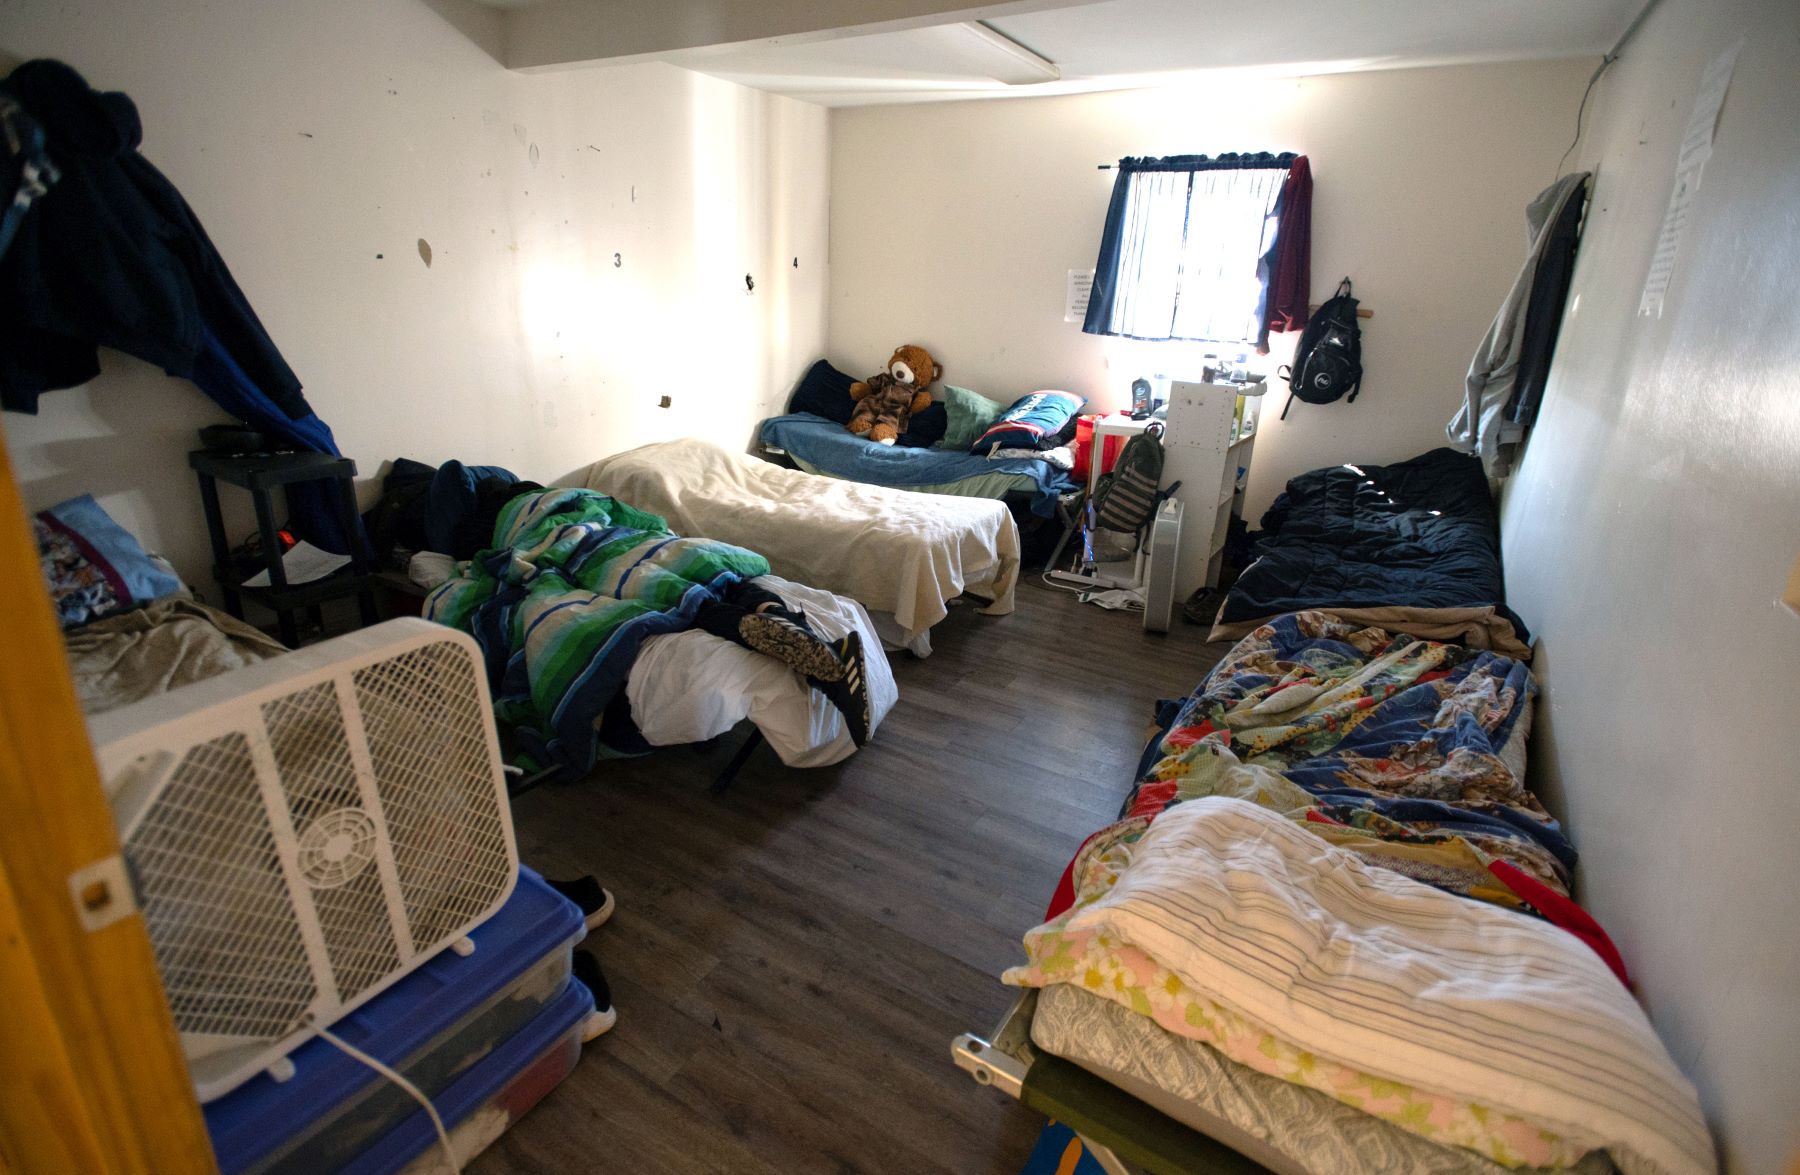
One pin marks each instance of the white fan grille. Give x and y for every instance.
(303, 832)
(225, 935)
(423, 714)
(318, 776)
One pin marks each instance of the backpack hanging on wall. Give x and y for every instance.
(1328, 360)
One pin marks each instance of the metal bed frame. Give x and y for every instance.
(518, 783)
(1124, 1135)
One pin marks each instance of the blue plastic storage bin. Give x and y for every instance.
(434, 1026)
(480, 1105)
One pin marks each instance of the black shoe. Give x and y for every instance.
(794, 646)
(604, 1016)
(596, 901)
(850, 692)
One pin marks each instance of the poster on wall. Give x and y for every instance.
(1696, 149)
(1075, 295)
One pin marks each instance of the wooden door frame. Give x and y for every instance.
(93, 1077)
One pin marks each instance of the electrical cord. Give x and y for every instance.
(417, 1094)
(1580, 111)
(1606, 61)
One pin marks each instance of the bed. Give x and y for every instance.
(568, 607)
(169, 642)
(1331, 931)
(819, 445)
(131, 628)
(902, 555)
(684, 687)
(1413, 545)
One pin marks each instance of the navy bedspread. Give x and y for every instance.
(1418, 534)
(831, 448)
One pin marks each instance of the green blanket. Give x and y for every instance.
(560, 606)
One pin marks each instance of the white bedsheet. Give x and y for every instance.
(1365, 967)
(895, 551)
(686, 687)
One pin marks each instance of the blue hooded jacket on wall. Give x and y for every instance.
(112, 255)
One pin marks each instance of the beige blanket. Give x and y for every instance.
(169, 642)
(892, 551)
(1479, 627)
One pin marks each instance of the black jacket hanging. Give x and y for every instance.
(113, 256)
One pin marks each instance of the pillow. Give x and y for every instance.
(925, 429)
(1034, 422)
(92, 565)
(970, 414)
(824, 391)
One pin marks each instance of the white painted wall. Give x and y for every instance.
(1648, 530)
(953, 225)
(312, 135)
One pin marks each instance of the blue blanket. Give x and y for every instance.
(1378, 742)
(1415, 534)
(830, 448)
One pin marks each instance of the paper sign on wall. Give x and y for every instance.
(1696, 149)
(1075, 295)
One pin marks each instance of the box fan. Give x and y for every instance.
(302, 832)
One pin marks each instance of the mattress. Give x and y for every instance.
(1285, 1127)
(900, 553)
(824, 446)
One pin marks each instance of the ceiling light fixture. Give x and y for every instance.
(1013, 63)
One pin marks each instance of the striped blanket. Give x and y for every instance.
(574, 584)
(1492, 1029)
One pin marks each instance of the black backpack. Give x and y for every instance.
(1126, 498)
(1328, 359)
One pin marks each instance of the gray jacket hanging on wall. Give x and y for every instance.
(1495, 371)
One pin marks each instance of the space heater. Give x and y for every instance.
(301, 833)
(1163, 547)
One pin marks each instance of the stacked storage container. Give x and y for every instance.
(485, 1036)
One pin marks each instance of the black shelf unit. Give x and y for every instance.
(261, 474)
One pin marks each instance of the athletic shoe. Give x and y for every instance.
(794, 646)
(850, 692)
(604, 1016)
(596, 901)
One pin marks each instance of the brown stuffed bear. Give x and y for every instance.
(888, 399)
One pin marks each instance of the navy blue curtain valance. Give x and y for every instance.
(1230, 161)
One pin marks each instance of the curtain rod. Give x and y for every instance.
(1276, 155)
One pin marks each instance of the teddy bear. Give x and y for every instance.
(888, 399)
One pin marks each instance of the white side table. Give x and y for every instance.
(1125, 573)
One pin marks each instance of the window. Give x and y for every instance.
(1183, 251)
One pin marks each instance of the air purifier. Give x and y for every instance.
(1165, 551)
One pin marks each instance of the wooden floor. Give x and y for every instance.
(790, 960)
